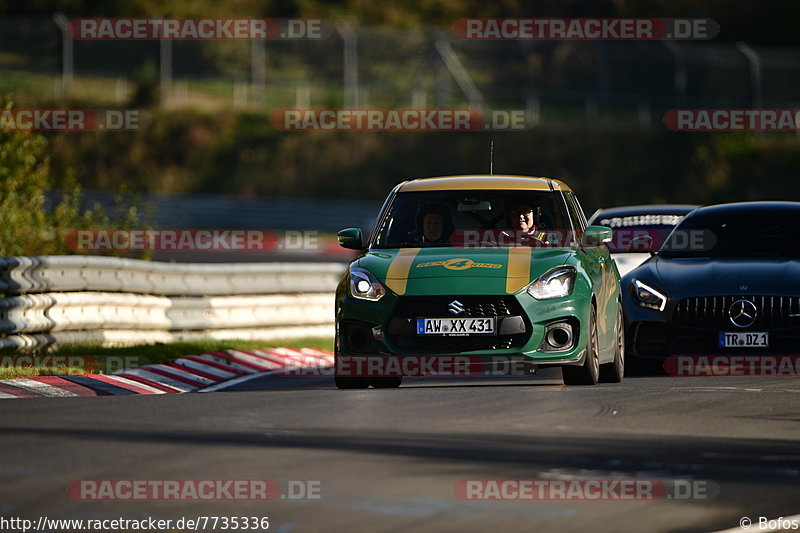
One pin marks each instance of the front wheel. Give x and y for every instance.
(351, 383)
(589, 372)
(347, 382)
(387, 382)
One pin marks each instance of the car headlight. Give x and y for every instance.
(554, 283)
(647, 296)
(365, 286)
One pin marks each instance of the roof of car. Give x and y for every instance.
(483, 182)
(657, 209)
(745, 208)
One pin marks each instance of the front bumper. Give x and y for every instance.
(387, 327)
(659, 340)
(656, 335)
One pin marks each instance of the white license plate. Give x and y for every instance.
(740, 339)
(455, 327)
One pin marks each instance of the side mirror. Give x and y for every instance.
(350, 238)
(597, 235)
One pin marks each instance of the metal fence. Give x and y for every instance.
(584, 81)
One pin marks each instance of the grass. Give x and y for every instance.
(105, 360)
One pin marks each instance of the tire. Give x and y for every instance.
(351, 383)
(386, 383)
(347, 382)
(589, 372)
(614, 372)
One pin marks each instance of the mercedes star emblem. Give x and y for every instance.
(742, 313)
(456, 307)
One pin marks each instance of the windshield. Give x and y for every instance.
(639, 232)
(750, 235)
(469, 218)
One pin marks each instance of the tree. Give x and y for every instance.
(30, 223)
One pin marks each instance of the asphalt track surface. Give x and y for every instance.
(388, 460)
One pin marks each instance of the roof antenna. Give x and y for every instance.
(491, 158)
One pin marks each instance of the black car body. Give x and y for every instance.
(631, 223)
(725, 269)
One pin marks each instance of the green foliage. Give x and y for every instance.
(28, 224)
(147, 91)
(775, 18)
(190, 152)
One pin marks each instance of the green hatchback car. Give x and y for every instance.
(486, 267)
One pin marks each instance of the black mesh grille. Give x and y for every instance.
(711, 312)
(459, 344)
(474, 306)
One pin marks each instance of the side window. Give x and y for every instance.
(383, 227)
(581, 212)
(575, 214)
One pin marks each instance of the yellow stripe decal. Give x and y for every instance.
(519, 268)
(397, 275)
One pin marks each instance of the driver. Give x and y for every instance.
(521, 219)
(435, 222)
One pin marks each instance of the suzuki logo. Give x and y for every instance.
(742, 313)
(456, 307)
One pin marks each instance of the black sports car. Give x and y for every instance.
(638, 229)
(726, 281)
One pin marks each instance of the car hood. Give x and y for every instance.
(726, 276)
(471, 270)
(629, 260)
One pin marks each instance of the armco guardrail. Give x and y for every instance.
(57, 299)
(25, 275)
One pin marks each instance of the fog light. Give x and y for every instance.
(557, 337)
(358, 339)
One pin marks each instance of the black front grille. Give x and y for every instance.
(711, 312)
(475, 306)
(436, 344)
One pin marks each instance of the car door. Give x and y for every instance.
(600, 267)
